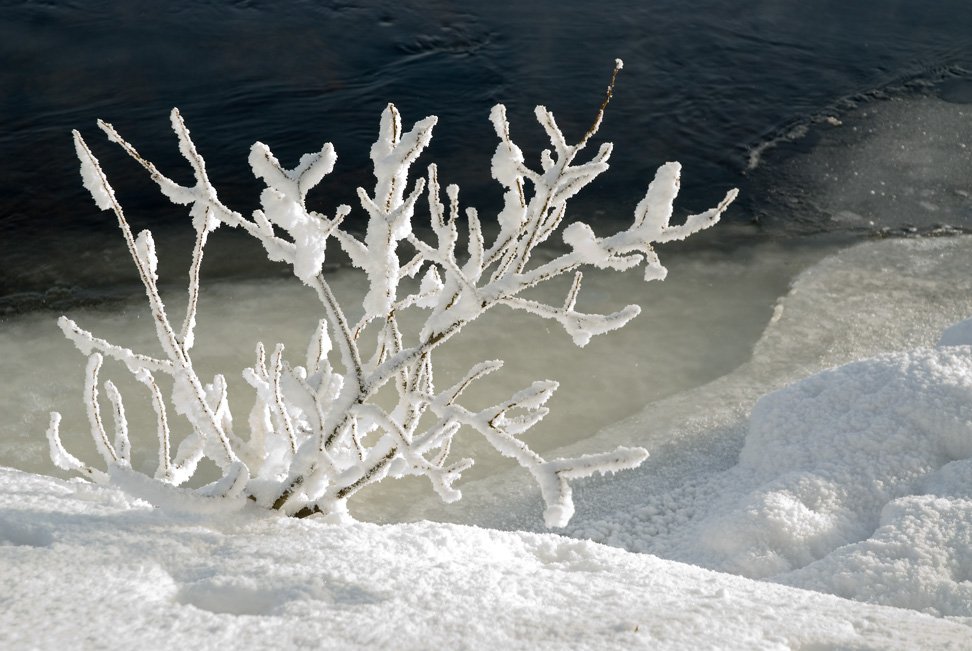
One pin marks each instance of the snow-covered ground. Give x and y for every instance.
(833, 513)
(86, 567)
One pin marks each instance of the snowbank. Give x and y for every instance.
(855, 481)
(86, 566)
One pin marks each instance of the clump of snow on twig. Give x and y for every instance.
(317, 431)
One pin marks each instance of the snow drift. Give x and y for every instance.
(87, 565)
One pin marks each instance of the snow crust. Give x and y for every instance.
(958, 334)
(87, 564)
(855, 482)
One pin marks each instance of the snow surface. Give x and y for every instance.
(855, 481)
(86, 566)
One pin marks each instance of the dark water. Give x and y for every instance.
(706, 82)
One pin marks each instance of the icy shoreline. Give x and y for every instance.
(853, 481)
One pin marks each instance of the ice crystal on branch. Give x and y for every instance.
(316, 433)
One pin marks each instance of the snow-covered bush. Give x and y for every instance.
(316, 433)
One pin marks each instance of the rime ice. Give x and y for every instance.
(318, 430)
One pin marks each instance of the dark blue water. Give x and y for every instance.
(706, 82)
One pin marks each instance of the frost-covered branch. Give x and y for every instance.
(317, 432)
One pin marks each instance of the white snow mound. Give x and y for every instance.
(855, 481)
(837, 460)
(86, 566)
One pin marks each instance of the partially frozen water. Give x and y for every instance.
(694, 327)
(896, 165)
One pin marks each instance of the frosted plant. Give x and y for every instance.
(316, 432)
